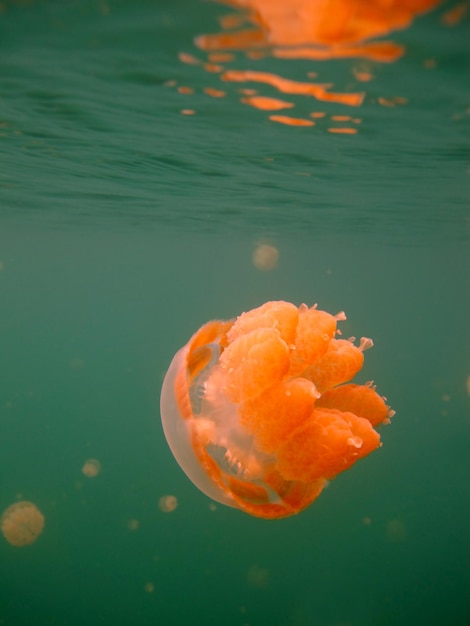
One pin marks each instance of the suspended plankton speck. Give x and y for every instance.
(167, 503)
(396, 531)
(133, 524)
(257, 577)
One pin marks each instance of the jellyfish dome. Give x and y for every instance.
(259, 413)
(22, 523)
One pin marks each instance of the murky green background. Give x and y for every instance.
(125, 225)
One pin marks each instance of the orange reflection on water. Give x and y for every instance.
(267, 104)
(329, 27)
(456, 14)
(391, 102)
(291, 121)
(215, 93)
(293, 87)
(314, 30)
(343, 131)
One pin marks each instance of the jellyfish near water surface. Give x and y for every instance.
(259, 413)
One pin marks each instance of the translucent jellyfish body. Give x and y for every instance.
(22, 523)
(259, 413)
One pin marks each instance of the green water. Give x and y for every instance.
(125, 225)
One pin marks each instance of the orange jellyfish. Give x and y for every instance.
(91, 468)
(22, 523)
(259, 413)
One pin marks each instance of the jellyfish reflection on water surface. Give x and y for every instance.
(257, 413)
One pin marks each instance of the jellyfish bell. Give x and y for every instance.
(265, 257)
(178, 432)
(22, 523)
(258, 413)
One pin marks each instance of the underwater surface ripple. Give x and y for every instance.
(91, 128)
